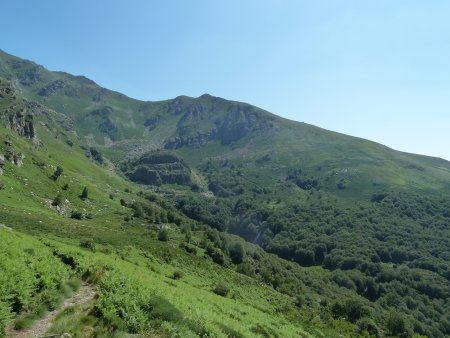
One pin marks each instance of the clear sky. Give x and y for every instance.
(375, 69)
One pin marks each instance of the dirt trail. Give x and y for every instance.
(84, 295)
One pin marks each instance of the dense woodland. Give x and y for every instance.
(211, 218)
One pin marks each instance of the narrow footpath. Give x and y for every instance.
(84, 295)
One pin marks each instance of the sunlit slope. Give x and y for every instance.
(222, 129)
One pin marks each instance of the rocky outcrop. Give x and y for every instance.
(152, 122)
(192, 141)
(238, 122)
(11, 155)
(102, 117)
(18, 159)
(17, 115)
(52, 88)
(158, 168)
(20, 121)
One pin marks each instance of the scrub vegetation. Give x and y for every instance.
(210, 218)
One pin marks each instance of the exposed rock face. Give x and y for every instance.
(18, 159)
(18, 115)
(52, 88)
(152, 122)
(102, 117)
(21, 122)
(11, 156)
(192, 141)
(238, 122)
(158, 168)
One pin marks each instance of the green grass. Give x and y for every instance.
(253, 197)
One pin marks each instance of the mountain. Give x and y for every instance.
(344, 215)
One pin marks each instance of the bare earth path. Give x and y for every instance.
(84, 295)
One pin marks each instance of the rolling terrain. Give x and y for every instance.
(337, 235)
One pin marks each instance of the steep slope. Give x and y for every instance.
(364, 219)
(156, 271)
(222, 129)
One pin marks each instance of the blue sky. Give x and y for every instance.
(375, 69)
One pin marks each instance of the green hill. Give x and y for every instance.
(360, 231)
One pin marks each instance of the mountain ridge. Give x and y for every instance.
(343, 214)
(200, 97)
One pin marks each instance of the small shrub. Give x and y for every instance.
(237, 252)
(29, 251)
(163, 235)
(65, 187)
(190, 249)
(300, 300)
(221, 289)
(59, 170)
(76, 214)
(111, 196)
(351, 310)
(138, 210)
(84, 194)
(57, 200)
(177, 275)
(89, 216)
(96, 155)
(87, 244)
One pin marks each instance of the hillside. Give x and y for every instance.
(361, 231)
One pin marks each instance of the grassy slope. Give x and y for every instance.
(366, 165)
(130, 251)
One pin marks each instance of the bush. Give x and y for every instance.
(351, 310)
(84, 194)
(87, 244)
(237, 252)
(163, 235)
(138, 210)
(59, 170)
(190, 249)
(57, 200)
(65, 187)
(221, 289)
(76, 214)
(177, 275)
